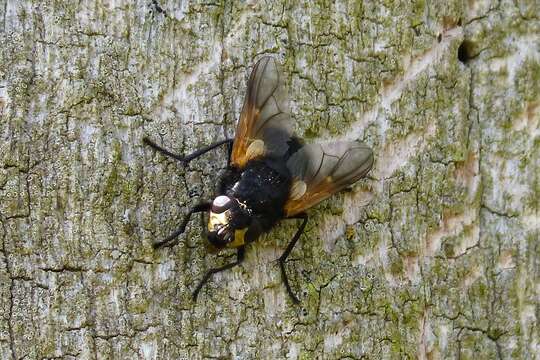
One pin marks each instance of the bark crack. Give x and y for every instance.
(9, 270)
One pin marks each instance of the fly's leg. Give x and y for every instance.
(288, 250)
(172, 239)
(187, 158)
(239, 259)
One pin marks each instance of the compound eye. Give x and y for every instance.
(221, 204)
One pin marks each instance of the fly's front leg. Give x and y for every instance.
(186, 159)
(239, 259)
(288, 250)
(172, 239)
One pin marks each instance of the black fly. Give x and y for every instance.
(271, 174)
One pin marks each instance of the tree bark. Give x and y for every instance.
(434, 256)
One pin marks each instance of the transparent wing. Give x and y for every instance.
(265, 126)
(320, 170)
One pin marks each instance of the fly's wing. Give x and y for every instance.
(264, 127)
(320, 170)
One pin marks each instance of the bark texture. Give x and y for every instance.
(434, 256)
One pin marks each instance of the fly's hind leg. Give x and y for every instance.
(239, 259)
(286, 253)
(172, 239)
(186, 159)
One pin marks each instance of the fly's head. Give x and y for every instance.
(228, 222)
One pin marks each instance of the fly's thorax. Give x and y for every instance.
(228, 222)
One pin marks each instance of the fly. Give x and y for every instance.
(271, 174)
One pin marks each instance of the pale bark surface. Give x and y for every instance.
(434, 256)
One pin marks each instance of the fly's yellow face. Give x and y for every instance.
(218, 224)
(217, 221)
(220, 232)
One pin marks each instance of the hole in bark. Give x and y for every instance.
(466, 51)
(157, 8)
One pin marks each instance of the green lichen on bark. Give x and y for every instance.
(433, 256)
